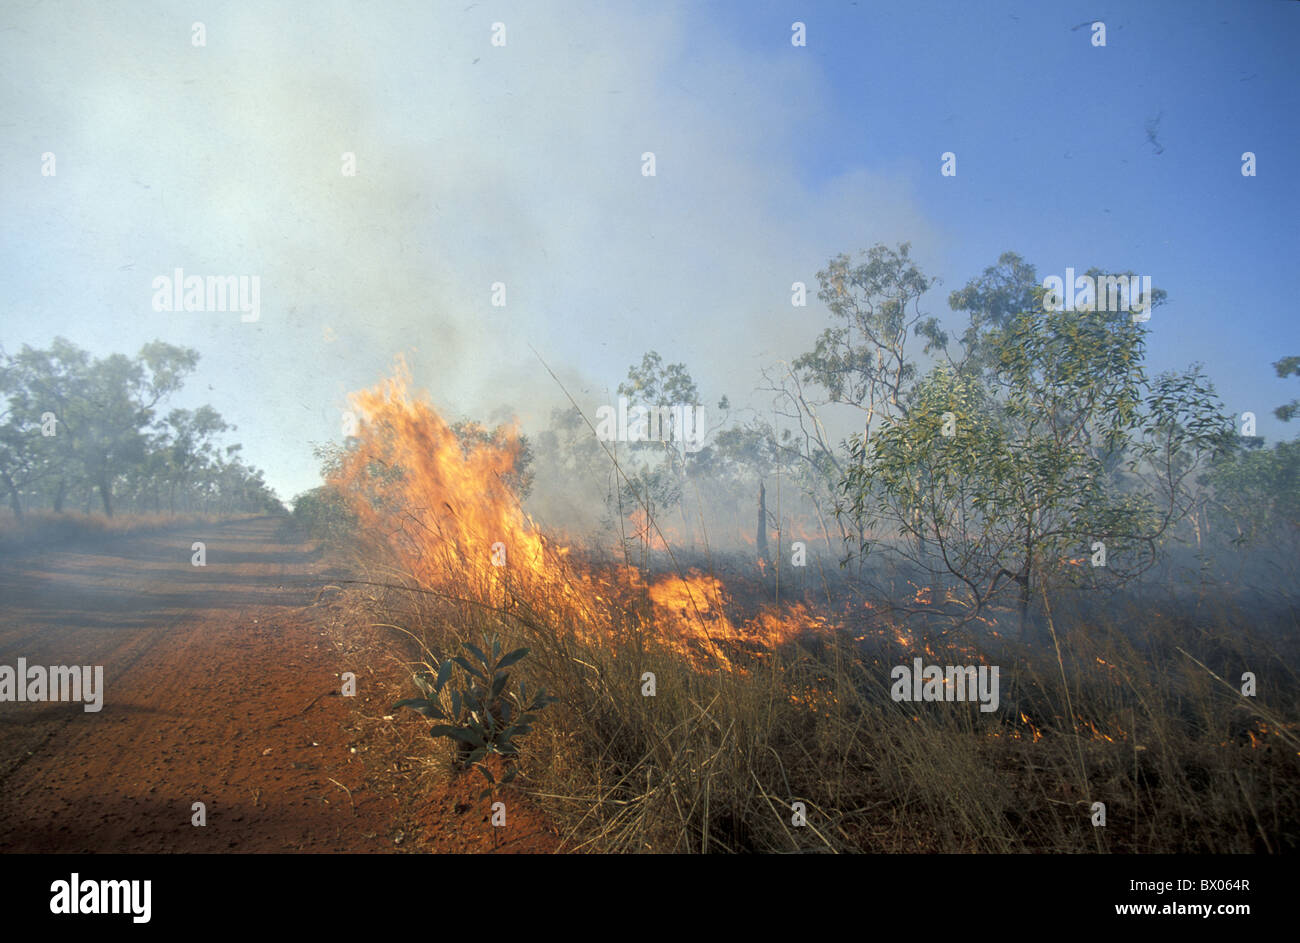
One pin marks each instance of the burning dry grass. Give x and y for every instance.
(763, 709)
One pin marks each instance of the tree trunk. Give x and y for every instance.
(761, 539)
(59, 495)
(1024, 603)
(1026, 575)
(15, 502)
(106, 494)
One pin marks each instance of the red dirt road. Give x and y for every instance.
(221, 686)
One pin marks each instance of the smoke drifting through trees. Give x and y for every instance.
(1027, 452)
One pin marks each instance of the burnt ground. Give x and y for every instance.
(222, 686)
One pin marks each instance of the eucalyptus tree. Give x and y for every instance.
(1047, 450)
(666, 439)
(863, 364)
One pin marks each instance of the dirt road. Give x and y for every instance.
(221, 687)
(208, 675)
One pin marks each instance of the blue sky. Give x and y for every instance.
(524, 167)
(1054, 160)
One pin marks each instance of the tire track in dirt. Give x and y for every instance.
(206, 674)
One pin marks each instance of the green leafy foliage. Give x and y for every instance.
(109, 445)
(1257, 494)
(479, 710)
(1287, 367)
(1056, 440)
(323, 513)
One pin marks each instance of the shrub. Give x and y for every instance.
(482, 715)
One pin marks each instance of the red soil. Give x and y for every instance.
(222, 687)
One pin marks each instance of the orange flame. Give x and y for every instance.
(442, 503)
(445, 505)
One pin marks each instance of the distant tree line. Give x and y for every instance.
(79, 432)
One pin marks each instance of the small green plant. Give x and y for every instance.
(482, 716)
